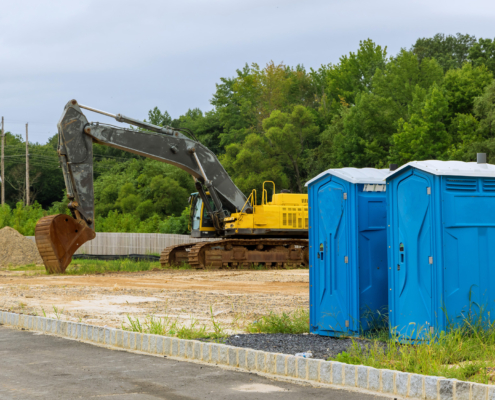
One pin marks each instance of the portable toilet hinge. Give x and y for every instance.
(428, 190)
(346, 260)
(347, 323)
(345, 196)
(430, 260)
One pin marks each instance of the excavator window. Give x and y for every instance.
(195, 215)
(207, 221)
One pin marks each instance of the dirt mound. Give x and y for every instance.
(16, 249)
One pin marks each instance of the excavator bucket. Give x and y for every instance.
(57, 238)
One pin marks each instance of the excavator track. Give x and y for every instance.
(247, 253)
(175, 255)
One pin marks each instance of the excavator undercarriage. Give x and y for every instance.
(239, 253)
(272, 233)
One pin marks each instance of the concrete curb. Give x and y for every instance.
(337, 375)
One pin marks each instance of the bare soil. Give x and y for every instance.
(16, 249)
(235, 297)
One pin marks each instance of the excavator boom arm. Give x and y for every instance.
(76, 136)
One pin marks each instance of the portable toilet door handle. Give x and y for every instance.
(402, 256)
(320, 254)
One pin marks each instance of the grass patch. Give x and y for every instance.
(87, 267)
(82, 267)
(291, 322)
(28, 267)
(167, 326)
(465, 352)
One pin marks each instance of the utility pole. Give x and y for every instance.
(27, 166)
(3, 166)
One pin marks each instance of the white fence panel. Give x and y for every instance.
(113, 243)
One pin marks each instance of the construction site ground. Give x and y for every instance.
(236, 297)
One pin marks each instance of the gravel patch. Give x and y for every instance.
(322, 347)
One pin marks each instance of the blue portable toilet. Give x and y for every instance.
(441, 253)
(348, 250)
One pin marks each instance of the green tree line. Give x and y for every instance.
(435, 100)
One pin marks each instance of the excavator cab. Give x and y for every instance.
(200, 222)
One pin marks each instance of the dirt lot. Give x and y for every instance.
(235, 297)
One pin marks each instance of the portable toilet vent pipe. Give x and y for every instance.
(441, 257)
(348, 250)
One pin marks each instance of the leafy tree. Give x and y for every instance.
(399, 80)
(483, 53)
(252, 162)
(362, 138)
(231, 108)
(205, 126)
(156, 117)
(483, 136)
(463, 85)
(450, 51)
(484, 108)
(46, 181)
(176, 225)
(354, 73)
(167, 195)
(465, 133)
(147, 190)
(289, 134)
(21, 218)
(425, 135)
(243, 102)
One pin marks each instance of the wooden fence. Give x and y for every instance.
(131, 243)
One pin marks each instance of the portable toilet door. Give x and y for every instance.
(441, 219)
(346, 209)
(332, 280)
(411, 245)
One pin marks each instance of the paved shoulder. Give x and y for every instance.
(47, 367)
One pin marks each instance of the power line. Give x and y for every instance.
(53, 165)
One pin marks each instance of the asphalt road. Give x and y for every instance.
(36, 366)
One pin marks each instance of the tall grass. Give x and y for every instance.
(167, 326)
(466, 351)
(290, 322)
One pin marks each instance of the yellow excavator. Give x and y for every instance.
(273, 233)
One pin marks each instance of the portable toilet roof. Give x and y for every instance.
(348, 250)
(455, 168)
(354, 175)
(441, 226)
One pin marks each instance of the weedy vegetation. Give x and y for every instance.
(285, 322)
(466, 351)
(26, 268)
(168, 326)
(87, 267)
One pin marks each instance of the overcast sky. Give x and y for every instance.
(130, 56)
